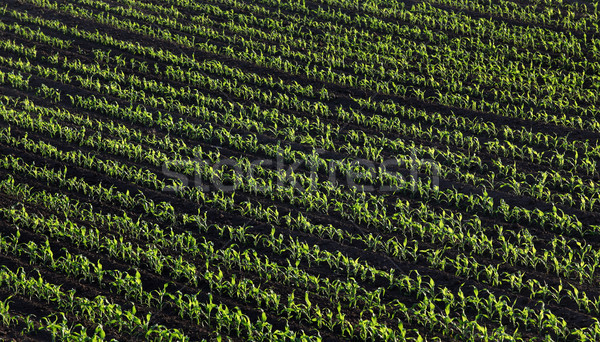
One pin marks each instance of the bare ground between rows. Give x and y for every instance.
(526, 202)
(337, 222)
(151, 281)
(376, 257)
(432, 92)
(342, 92)
(154, 282)
(218, 217)
(316, 217)
(584, 215)
(519, 23)
(118, 265)
(224, 221)
(345, 126)
(370, 131)
(107, 263)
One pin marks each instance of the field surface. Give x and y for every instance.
(279, 170)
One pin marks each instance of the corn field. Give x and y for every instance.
(299, 170)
